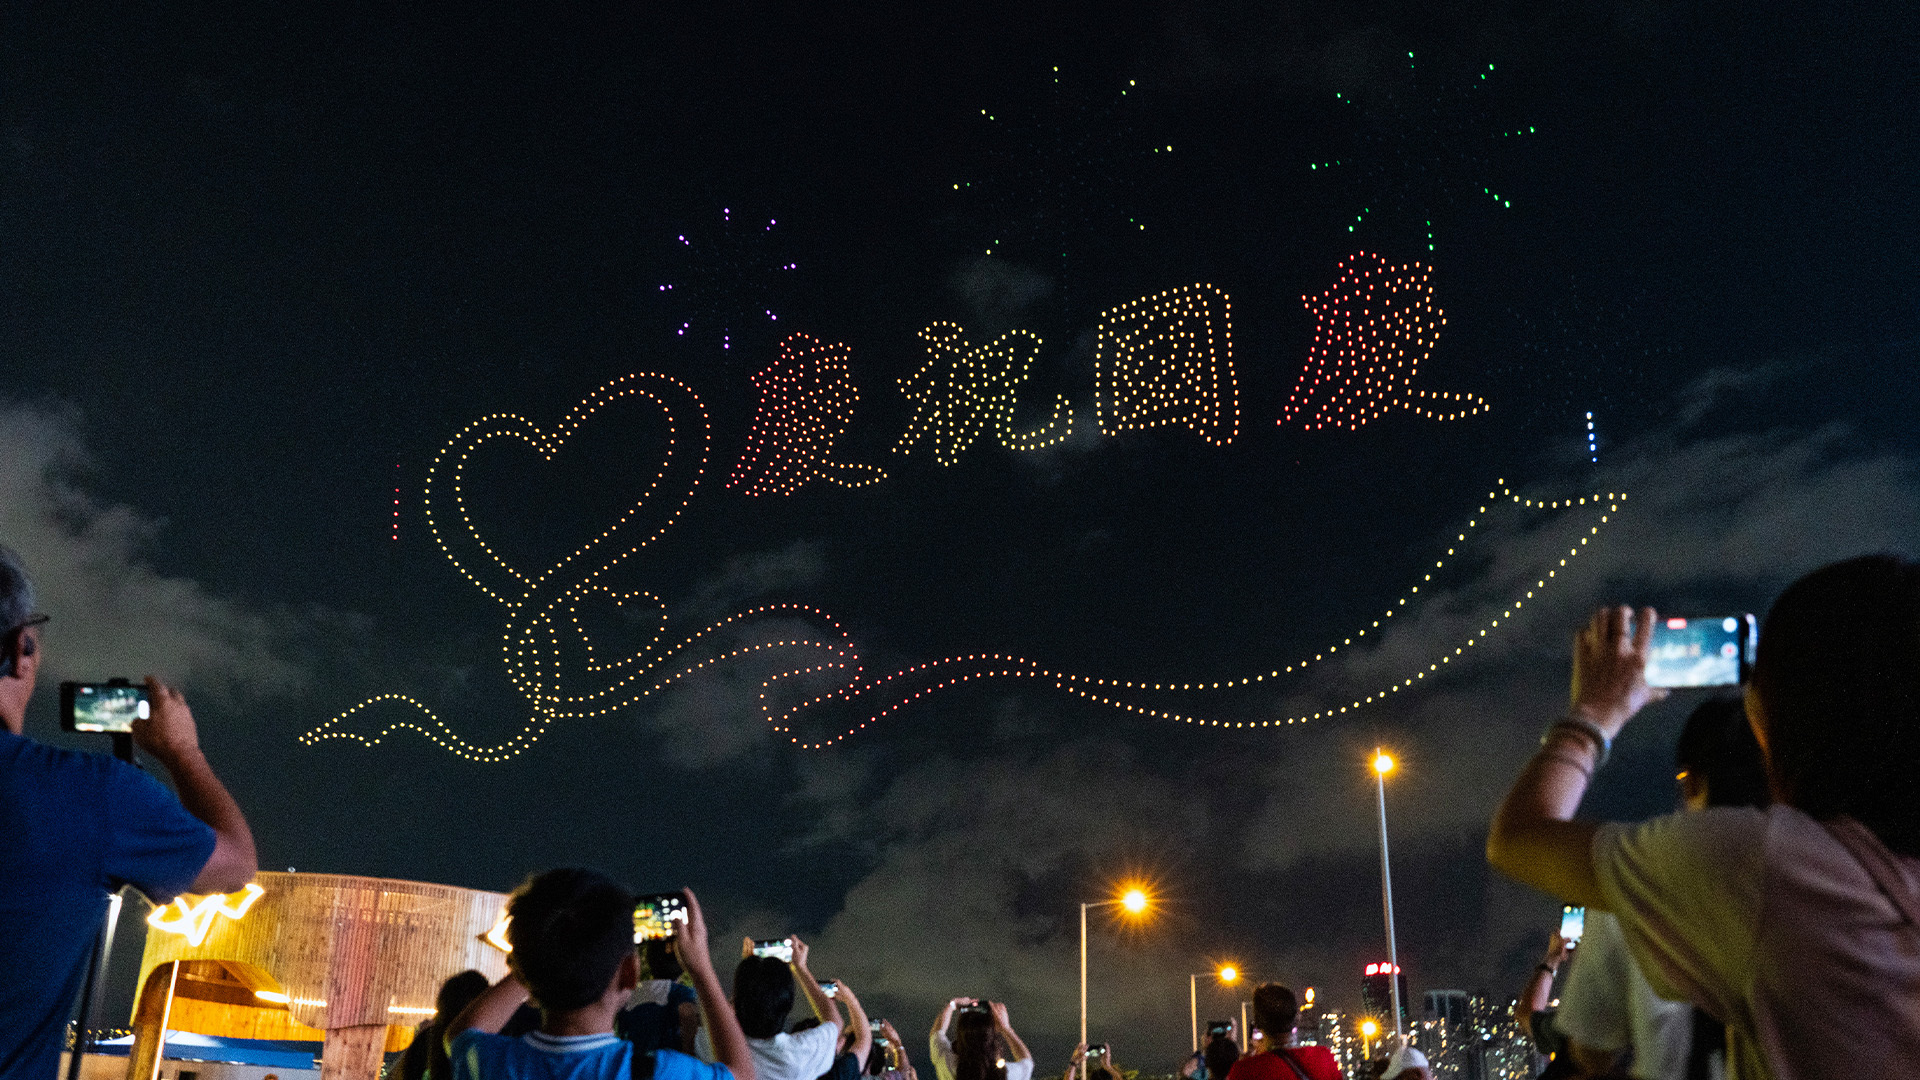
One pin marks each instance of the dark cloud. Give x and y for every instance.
(115, 615)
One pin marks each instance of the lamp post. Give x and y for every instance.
(1227, 974)
(1133, 901)
(1382, 765)
(1368, 1029)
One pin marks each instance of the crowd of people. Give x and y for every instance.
(1767, 930)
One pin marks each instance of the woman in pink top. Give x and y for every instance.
(1797, 926)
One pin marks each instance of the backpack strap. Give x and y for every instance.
(1287, 1056)
(1877, 861)
(642, 1064)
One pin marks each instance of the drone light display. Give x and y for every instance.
(806, 404)
(966, 390)
(1373, 328)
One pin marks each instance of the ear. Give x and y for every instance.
(628, 976)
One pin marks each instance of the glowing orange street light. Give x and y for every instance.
(1382, 765)
(1368, 1029)
(1227, 974)
(1134, 901)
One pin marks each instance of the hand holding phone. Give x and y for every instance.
(656, 917)
(109, 707)
(1691, 651)
(780, 949)
(1573, 923)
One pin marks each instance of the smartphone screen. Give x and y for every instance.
(102, 706)
(654, 916)
(780, 949)
(830, 987)
(1573, 923)
(1097, 1050)
(1691, 651)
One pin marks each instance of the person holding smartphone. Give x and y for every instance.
(983, 1045)
(80, 826)
(1798, 925)
(763, 998)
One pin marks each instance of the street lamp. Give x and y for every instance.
(1134, 901)
(1227, 974)
(1368, 1029)
(1382, 765)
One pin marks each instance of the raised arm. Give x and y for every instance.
(1539, 988)
(822, 1005)
(169, 735)
(490, 1011)
(1534, 839)
(1016, 1050)
(861, 1043)
(723, 1028)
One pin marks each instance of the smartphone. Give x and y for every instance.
(780, 949)
(830, 987)
(878, 1027)
(1713, 650)
(1573, 923)
(1219, 1029)
(974, 1006)
(1096, 1050)
(654, 916)
(109, 706)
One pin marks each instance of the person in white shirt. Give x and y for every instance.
(983, 1046)
(763, 993)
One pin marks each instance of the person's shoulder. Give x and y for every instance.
(1713, 841)
(1252, 1067)
(471, 1044)
(669, 1064)
(22, 755)
(1318, 1061)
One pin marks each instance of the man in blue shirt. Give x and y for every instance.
(572, 936)
(74, 827)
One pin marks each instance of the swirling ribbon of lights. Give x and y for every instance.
(542, 609)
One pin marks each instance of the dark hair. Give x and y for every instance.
(457, 993)
(1717, 746)
(661, 962)
(1275, 1011)
(426, 1056)
(762, 995)
(1838, 678)
(571, 930)
(1222, 1052)
(976, 1050)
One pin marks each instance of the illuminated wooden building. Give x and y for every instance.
(351, 962)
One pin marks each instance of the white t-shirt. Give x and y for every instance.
(1607, 1005)
(1775, 927)
(801, 1055)
(944, 1061)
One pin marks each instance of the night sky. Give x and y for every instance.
(260, 264)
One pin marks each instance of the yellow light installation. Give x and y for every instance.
(542, 606)
(1372, 330)
(195, 920)
(908, 685)
(1168, 359)
(964, 391)
(550, 657)
(806, 403)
